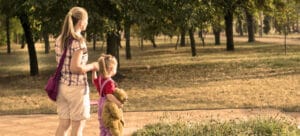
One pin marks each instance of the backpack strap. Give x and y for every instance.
(102, 86)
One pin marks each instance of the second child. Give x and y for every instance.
(105, 86)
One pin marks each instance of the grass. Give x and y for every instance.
(252, 127)
(255, 75)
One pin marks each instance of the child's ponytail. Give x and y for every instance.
(103, 66)
(105, 62)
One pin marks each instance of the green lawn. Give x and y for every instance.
(255, 75)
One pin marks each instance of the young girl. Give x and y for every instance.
(105, 86)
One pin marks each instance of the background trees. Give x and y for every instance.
(109, 19)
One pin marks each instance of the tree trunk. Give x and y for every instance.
(127, 37)
(192, 39)
(297, 23)
(240, 27)
(153, 42)
(288, 24)
(250, 26)
(113, 43)
(217, 31)
(229, 30)
(285, 36)
(176, 46)
(261, 24)
(217, 34)
(142, 43)
(17, 40)
(34, 70)
(8, 34)
(23, 39)
(182, 39)
(200, 33)
(46, 40)
(94, 41)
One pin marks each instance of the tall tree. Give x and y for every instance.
(252, 7)
(127, 10)
(23, 15)
(229, 30)
(5, 8)
(182, 36)
(43, 15)
(21, 9)
(193, 44)
(204, 16)
(217, 22)
(7, 24)
(250, 25)
(284, 13)
(228, 7)
(111, 13)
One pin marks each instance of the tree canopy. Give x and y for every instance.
(150, 18)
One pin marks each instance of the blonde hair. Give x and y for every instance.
(68, 29)
(105, 63)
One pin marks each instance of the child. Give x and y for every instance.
(105, 86)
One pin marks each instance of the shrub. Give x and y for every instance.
(253, 127)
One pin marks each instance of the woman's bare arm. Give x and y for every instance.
(76, 67)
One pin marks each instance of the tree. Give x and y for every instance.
(267, 24)
(228, 7)
(21, 9)
(192, 20)
(5, 8)
(7, 24)
(239, 24)
(204, 16)
(24, 13)
(47, 17)
(217, 21)
(150, 19)
(284, 11)
(186, 15)
(44, 16)
(34, 70)
(193, 44)
(95, 29)
(2, 30)
(16, 30)
(250, 25)
(249, 7)
(110, 11)
(127, 7)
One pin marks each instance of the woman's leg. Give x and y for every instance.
(77, 127)
(63, 127)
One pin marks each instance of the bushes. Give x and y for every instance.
(253, 127)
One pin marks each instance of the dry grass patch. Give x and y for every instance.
(255, 75)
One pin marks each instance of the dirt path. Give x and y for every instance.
(45, 125)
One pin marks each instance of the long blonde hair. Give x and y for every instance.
(68, 29)
(105, 63)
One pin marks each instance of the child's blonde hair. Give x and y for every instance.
(74, 15)
(106, 62)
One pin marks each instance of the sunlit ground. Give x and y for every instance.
(255, 75)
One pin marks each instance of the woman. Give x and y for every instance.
(73, 103)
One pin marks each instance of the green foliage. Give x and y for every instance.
(284, 15)
(15, 29)
(257, 127)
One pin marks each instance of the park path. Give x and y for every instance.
(45, 124)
